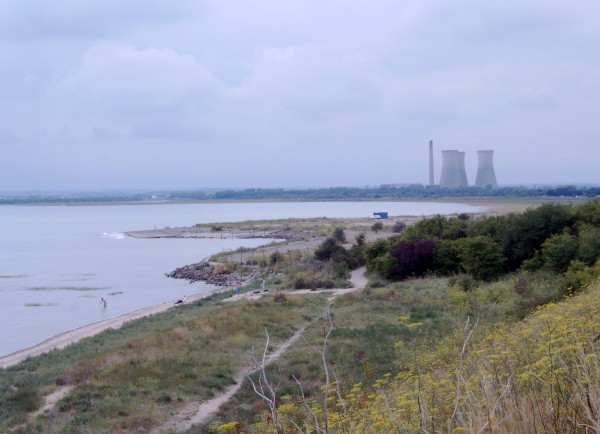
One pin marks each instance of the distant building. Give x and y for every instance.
(400, 185)
(485, 170)
(453, 174)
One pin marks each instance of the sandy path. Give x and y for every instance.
(357, 279)
(195, 413)
(72, 336)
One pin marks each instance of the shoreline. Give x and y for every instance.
(69, 337)
(492, 201)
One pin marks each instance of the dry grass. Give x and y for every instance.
(541, 374)
(136, 381)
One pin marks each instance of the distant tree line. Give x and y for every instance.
(334, 193)
(387, 192)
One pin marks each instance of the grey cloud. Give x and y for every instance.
(194, 132)
(280, 90)
(125, 79)
(88, 19)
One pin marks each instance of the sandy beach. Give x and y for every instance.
(69, 337)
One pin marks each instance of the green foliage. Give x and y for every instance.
(447, 257)
(380, 247)
(589, 243)
(360, 239)
(494, 227)
(339, 235)
(377, 226)
(527, 231)
(438, 227)
(534, 263)
(24, 397)
(579, 276)
(482, 258)
(538, 238)
(382, 265)
(276, 257)
(558, 251)
(357, 253)
(588, 212)
(377, 256)
(463, 282)
(328, 249)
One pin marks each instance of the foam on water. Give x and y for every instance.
(115, 235)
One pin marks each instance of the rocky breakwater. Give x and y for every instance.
(204, 272)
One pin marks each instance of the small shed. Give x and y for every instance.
(380, 215)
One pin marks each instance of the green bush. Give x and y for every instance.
(558, 251)
(377, 226)
(579, 276)
(482, 258)
(276, 257)
(589, 244)
(339, 235)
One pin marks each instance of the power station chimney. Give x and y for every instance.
(453, 174)
(485, 170)
(431, 182)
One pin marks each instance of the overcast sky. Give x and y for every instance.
(184, 94)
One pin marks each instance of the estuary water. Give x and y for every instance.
(56, 262)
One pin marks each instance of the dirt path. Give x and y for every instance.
(195, 413)
(72, 336)
(51, 400)
(357, 279)
(49, 403)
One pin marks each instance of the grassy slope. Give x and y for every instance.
(132, 378)
(398, 354)
(135, 376)
(368, 340)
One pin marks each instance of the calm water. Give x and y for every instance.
(56, 262)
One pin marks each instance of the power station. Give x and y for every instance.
(454, 174)
(485, 170)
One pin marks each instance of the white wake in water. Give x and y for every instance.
(115, 235)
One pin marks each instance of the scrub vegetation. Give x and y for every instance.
(540, 374)
(467, 325)
(130, 379)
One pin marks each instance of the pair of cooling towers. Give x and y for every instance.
(453, 169)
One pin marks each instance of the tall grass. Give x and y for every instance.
(132, 378)
(541, 374)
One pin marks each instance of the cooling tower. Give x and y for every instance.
(431, 162)
(454, 174)
(485, 170)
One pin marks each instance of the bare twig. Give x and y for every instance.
(267, 395)
(312, 413)
(459, 377)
